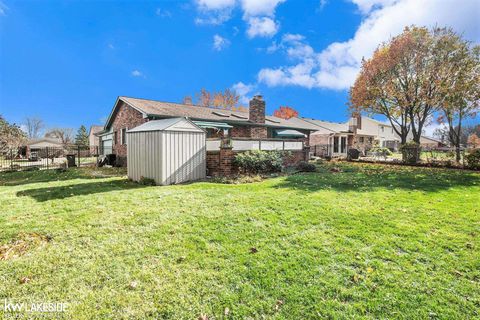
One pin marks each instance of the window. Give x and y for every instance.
(382, 128)
(123, 136)
(335, 144)
(343, 144)
(115, 137)
(362, 139)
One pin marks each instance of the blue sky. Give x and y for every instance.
(67, 61)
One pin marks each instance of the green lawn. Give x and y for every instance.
(372, 242)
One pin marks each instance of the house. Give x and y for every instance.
(252, 127)
(359, 132)
(429, 143)
(41, 147)
(92, 135)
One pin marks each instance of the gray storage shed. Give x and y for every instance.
(169, 151)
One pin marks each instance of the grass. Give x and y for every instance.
(371, 242)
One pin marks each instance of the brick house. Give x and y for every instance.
(250, 126)
(360, 132)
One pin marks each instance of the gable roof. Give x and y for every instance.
(171, 124)
(95, 129)
(332, 127)
(52, 141)
(153, 108)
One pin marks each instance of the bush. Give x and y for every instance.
(473, 159)
(382, 151)
(146, 181)
(306, 167)
(410, 152)
(259, 162)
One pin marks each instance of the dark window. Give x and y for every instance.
(214, 133)
(343, 144)
(335, 144)
(362, 139)
(115, 137)
(270, 133)
(124, 136)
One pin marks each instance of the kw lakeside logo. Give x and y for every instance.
(10, 306)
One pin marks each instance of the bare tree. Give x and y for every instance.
(187, 100)
(65, 135)
(34, 126)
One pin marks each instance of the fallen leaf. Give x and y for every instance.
(278, 304)
(133, 285)
(253, 250)
(24, 280)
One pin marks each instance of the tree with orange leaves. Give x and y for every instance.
(473, 141)
(285, 112)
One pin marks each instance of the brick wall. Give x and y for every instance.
(318, 139)
(220, 163)
(240, 132)
(126, 117)
(213, 163)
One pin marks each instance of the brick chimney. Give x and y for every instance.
(355, 122)
(256, 114)
(257, 110)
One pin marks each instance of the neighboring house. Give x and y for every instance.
(93, 140)
(128, 113)
(429, 142)
(359, 132)
(39, 147)
(36, 144)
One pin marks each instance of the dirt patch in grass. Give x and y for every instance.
(22, 244)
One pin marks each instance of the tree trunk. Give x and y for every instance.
(457, 141)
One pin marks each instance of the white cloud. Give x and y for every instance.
(258, 14)
(323, 3)
(430, 128)
(260, 7)
(214, 12)
(163, 13)
(3, 9)
(261, 27)
(137, 73)
(215, 4)
(243, 90)
(220, 43)
(337, 66)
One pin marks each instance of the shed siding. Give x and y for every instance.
(168, 157)
(144, 150)
(184, 157)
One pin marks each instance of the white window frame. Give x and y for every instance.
(123, 141)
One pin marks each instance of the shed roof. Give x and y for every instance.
(289, 132)
(170, 124)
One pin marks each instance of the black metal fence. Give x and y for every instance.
(24, 158)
